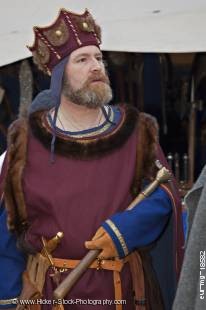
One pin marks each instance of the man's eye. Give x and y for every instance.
(83, 59)
(100, 59)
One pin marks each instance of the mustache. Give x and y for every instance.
(98, 77)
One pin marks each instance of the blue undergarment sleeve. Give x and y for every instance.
(140, 226)
(12, 264)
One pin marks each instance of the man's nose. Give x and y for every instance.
(96, 65)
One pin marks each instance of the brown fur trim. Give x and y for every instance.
(97, 28)
(147, 135)
(98, 32)
(93, 148)
(17, 151)
(13, 193)
(92, 25)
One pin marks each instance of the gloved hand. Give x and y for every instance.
(102, 240)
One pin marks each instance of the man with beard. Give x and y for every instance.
(72, 168)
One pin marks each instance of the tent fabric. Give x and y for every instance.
(133, 25)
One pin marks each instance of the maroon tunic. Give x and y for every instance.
(76, 196)
(89, 182)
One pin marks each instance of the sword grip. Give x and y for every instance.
(163, 175)
(75, 274)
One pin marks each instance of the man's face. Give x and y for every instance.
(85, 80)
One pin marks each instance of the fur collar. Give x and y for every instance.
(147, 136)
(90, 147)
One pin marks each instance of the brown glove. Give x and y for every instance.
(102, 240)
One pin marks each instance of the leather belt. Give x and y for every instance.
(107, 264)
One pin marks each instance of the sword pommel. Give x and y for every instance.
(163, 175)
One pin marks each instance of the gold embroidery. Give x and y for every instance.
(97, 132)
(119, 236)
(90, 134)
(84, 139)
(62, 10)
(41, 55)
(85, 24)
(58, 35)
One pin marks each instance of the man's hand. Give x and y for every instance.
(102, 240)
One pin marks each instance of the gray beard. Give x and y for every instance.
(91, 97)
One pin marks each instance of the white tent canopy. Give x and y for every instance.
(132, 25)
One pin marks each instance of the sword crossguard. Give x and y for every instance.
(50, 245)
